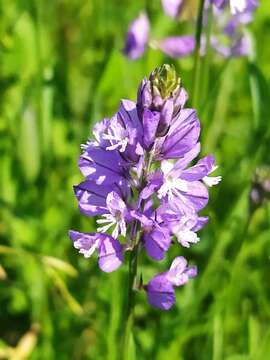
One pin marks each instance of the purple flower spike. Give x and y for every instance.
(109, 250)
(137, 37)
(172, 7)
(177, 46)
(139, 182)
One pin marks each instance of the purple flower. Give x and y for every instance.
(184, 186)
(184, 227)
(179, 272)
(181, 137)
(137, 37)
(160, 292)
(123, 132)
(150, 123)
(160, 289)
(117, 216)
(110, 254)
(156, 238)
(102, 167)
(92, 197)
(172, 7)
(177, 46)
(157, 241)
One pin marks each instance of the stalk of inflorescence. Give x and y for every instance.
(129, 318)
(197, 55)
(133, 285)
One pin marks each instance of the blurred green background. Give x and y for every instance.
(61, 70)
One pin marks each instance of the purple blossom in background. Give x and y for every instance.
(237, 6)
(177, 46)
(172, 7)
(239, 47)
(140, 184)
(229, 18)
(137, 37)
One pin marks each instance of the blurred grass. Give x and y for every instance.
(61, 69)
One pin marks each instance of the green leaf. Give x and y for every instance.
(29, 145)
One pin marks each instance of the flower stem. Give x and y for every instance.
(197, 62)
(207, 57)
(130, 302)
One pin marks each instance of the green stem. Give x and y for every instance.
(207, 57)
(197, 62)
(130, 301)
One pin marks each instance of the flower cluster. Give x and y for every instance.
(229, 39)
(139, 183)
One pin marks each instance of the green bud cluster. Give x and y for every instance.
(164, 80)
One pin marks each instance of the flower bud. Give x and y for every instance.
(165, 82)
(144, 95)
(162, 93)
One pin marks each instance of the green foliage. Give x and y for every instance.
(61, 69)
